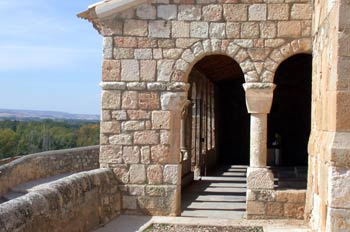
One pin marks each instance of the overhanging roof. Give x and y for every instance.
(107, 8)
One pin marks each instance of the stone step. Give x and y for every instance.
(216, 206)
(214, 198)
(223, 214)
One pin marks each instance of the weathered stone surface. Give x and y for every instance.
(170, 174)
(180, 29)
(130, 100)
(119, 115)
(145, 155)
(172, 53)
(130, 70)
(217, 30)
(199, 29)
(164, 70)
(111, 154)
(165, 137)
(274, 209)
(256, 207)
(137, 174)
(110, 127)
(148, 70)
(111, 70)
(155, 174)
(138, 114)
(123, 53)
(125, 42)
(268, 30)
(172, 101)
(167, 12)
(129, 202)
(143, 53)
(212, 13)
(161, 120)
(189, 12)
(133, 125)
(289, 29)
(159, 29)
(121, 172)
(259, 178)
(257, 12)
(122, 139)
(160, 154)
(149, 101)
(278, 12)
(135, 27)
(107, 48)
(131, 154)
(111, 100)
(301, 11)
(146, 11)
(146, 137)
(233, 30)
(236, 12)
(339, 187)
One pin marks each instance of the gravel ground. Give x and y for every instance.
(188, 228)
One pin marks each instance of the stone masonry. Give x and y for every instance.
(149, 50)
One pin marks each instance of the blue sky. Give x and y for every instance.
(49, 58)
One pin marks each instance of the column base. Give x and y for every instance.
(259, 178)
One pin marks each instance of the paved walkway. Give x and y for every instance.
(127, 223)
(221, 195)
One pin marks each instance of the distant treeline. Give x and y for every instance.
(26, 137)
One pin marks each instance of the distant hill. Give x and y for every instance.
(25, 115)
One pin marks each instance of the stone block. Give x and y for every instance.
(339, 187)
(143, 53)
(138, 114)
(233, 30)
(274, 209)
(236, 12)
(133, 125)
(172, 101)
(148, 70)
(157, 53)
(143, 42)
(338, 220)
(259, 178)
(107, 48)
(278, 12)
(111, 154)
(212, 12)
(180, 29)
(166, 43)
(111, 70)
(289, 29)
(131, 154)
(130, 70)
(161, 119)
(130, 100)
(164, 70)
(199, 29)
(294, 210)
(250, 30)
(149, 101)
(129, 202)
(125, 42)
(268, 30)
(301, 11)
(146, 137)
(145, 155)
(155, 174)
(167, 12)
(122, 173)
(146, 11)
(121, 139)
(106, 115)
(189, 12)
(160, 154)
(137, 174)
(217, 30)
(119, 115)
(110, 127)
(111, 100)
(155, 190)
(291, 196)
(136, 190)
(257, 12)
(135, 27)
(256, 208)
(159, 29)
(123, 53)
(172, 53)
(165, 137)
(170, 174)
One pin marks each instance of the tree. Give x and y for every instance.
(7, 143)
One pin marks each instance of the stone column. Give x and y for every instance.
(183, 145)
(175, 102)
(259, 100)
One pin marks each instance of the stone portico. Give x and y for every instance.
(149, 51)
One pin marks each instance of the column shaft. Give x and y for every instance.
(258, 140)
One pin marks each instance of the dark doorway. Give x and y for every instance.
(290, 117)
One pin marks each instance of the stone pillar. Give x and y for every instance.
(175, 102)
(183, 145)
(259, 178)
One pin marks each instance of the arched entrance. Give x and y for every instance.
(215, 139)
(290, 118)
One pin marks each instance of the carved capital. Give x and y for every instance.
(173, 101)
(259, 97)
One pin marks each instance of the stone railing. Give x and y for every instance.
(80, 202)
(45, 164)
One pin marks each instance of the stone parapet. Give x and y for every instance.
(80, 202)
(45, 164)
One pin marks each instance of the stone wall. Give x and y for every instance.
(328, 195)
(45, 164)
(149, 51)
(80, 202)
(269, 204)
